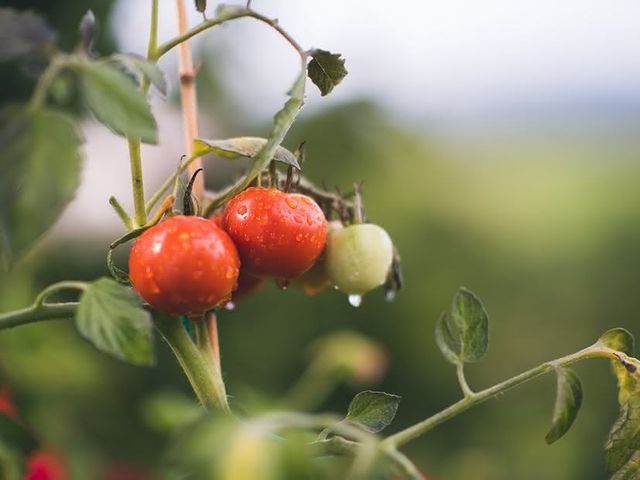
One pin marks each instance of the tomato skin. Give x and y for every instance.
(184, 265)
(46, 465)
(358, 257)
(277, 234)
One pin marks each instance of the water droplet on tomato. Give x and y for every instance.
(292, 203)
(243, 211)
(298, 237)
(355, 300)
(298, 218)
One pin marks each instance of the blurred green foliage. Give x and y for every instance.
(544, 228)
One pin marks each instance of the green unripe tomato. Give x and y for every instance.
(358, 257)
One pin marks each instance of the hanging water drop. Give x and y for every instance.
(355, 300)
(282, 283)
(229, 306)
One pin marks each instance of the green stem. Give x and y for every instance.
(205, 339)
(153, 31)
(464, 386)
(196, 366)
(238, 13)
(45, 81)
(56, 287)
(121, 212)
(137, 184)
(474, 399)
(37, 313)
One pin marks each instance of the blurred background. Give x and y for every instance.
(498, 144)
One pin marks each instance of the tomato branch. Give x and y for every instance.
(473, 399)
(230, 14)
(37, 313)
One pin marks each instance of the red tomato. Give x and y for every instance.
(7, 406)
(184, 266)
(278, 234)
(46, 465)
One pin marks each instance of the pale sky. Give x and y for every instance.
(434, 57)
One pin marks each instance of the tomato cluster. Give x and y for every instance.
(186, 265)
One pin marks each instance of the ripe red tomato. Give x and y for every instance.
(278, 234)
(46, 465)
(184, 265)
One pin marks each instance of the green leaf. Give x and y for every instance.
(373, 411)
(326, 70)
(622, 450)
(249, 147)
(116, 102)
(568, 402)
(111, 317)
(463, 334)
(16, 436)
(23, 33)
(40, 164)
(201, 5)
(618, 339)
(139, 64)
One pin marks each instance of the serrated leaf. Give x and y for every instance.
(463, 334)
(619, 339)
(111, 317)
(248, 147)
(40, 164)
(373, 411)
(116, 102)
(326, 70)
(139, 64)
(23, 33)
(16, 436)
(471, 325)
(568, 402)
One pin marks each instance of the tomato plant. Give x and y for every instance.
(271, 222)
